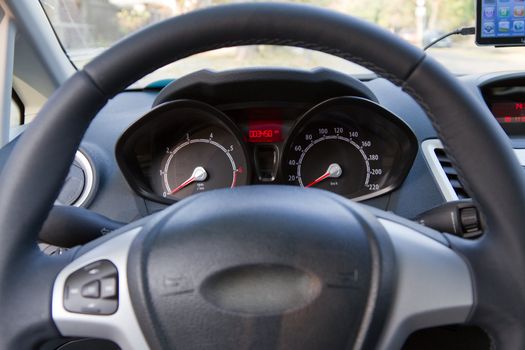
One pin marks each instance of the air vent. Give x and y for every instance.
(451, 173)
(444, 173)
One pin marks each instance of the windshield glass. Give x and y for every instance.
(86, 28)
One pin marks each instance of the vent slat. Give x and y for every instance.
(442, 156)
(456, 184)
(449, 170)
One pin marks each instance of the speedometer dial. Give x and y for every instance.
(335, 158)
(315, 168)
(349, 146)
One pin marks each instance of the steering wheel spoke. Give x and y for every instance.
(91, 295)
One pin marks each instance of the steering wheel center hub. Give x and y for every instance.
(231, 269)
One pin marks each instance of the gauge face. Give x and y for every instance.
(334, 158)
(207, 159)
(348, 146)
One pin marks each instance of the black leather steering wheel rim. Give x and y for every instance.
(478, 148)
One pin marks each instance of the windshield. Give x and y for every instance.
(86, 28)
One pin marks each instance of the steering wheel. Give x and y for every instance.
(263, 267)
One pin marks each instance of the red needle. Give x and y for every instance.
(184, 184)
(334, 171)
(319, 179)
(199, 174)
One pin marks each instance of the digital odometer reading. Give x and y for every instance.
(265, 131)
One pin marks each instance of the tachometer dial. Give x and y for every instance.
(207, 159)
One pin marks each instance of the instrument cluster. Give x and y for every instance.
(347, 145)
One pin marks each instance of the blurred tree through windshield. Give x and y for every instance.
(98, 23)
(87, 27)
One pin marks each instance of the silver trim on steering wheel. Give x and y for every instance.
(121, 327)
(434, 286)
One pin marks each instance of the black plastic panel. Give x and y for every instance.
(263, 84)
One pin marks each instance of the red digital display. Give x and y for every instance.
(265, 126)
(264, 134)
(509, 112)
(265, 131)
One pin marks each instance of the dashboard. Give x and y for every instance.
(362, 138)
